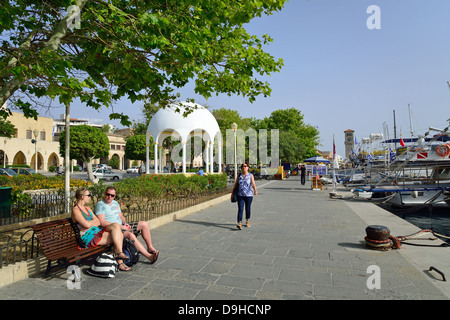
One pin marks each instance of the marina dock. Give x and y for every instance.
(302, 245)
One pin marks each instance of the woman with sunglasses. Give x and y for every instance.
(92, 234)
(245, 182)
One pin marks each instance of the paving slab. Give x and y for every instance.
(302, 245)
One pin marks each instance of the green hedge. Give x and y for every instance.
(138, 191)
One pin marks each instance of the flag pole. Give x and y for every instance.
(334, 159)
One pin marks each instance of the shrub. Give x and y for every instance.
(38, 181)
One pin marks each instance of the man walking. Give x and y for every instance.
(303, 174)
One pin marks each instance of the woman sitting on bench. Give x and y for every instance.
(91, 233)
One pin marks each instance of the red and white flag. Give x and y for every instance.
(422, 155)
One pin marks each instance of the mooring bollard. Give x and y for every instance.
(379, 238)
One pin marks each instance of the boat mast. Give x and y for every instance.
(410, 122)
(395, 133)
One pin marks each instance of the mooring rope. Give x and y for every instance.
(395, 242)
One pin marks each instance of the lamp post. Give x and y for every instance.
(234, 127)
(35, 132)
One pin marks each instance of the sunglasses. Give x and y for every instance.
(87, 195)
(110, 195)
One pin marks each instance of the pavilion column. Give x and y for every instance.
(160, 159)
(219, 145)
(211, 155)
(184, 156)
(207, 157)
(156, 157)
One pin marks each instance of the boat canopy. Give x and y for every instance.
(442, 137)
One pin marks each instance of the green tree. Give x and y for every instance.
(7, 129)
(298, 140)
(134, 49)
(148, 111)
(291, 149)
(114, 162)
(135, 149)
(86, 143)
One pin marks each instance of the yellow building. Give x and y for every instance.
(45, 131)
(21, 150)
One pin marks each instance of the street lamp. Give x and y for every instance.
(35, 132)
(234, 127)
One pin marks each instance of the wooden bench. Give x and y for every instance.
(58, 241)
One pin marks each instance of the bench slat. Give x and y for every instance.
(58, 241)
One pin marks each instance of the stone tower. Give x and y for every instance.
(349, 142)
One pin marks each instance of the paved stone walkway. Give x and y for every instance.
(301, 245)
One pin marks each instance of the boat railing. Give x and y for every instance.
(425, 174)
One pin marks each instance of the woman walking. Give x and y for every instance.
(245, 182)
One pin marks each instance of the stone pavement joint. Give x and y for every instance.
(301, 245)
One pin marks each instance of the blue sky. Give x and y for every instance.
(342, 75)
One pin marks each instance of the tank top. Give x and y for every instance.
(245, 185)
(88, 217)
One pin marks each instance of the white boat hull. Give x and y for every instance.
(418, 198)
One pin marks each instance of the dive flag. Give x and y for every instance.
(422, 155)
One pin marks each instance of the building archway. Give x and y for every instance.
(19, 158)
(115, 162)
(3, 158)
(40, 162)
(53, 160)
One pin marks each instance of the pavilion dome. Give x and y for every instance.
(169, 120)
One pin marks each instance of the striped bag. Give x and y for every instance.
(105, 266)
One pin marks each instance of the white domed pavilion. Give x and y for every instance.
(170, 122)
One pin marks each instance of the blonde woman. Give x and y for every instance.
(90, 231)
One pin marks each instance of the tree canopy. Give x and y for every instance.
(134, 49)
(298, 140)
(86, 143)
(7, 129)
(135, 148)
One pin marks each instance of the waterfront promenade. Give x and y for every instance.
(301, 245)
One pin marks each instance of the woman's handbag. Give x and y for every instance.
(234, 196)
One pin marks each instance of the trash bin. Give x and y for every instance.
(5, 202)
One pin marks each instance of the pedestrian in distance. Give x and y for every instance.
(303, 174)
(108, 211)
(92, 233)
(245, 183)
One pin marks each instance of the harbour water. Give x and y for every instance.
(436, 218)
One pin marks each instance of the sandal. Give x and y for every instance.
(118, 257)
(248, 224)
(239, 226)
(154, 257)
(125, 267)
